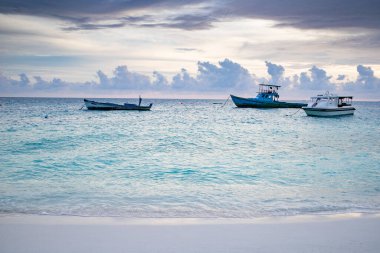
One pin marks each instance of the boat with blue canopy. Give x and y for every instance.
(267, 97)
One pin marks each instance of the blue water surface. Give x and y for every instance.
(185, 158)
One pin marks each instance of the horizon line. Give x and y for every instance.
(167, 98)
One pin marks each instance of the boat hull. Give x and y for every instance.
(92, 105)
(328, 112)
(255, 103)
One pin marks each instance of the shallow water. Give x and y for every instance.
(185, 158)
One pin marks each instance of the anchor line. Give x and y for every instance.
(226, 101)
(293, 113)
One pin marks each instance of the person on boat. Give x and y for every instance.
(140, 100)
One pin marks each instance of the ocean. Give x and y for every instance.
(185, 158)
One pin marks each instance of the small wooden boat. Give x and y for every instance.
(329, 105)
(93, 105)
(267, 97)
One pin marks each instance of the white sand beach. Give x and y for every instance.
(330, 233)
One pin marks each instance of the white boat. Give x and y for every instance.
(329, 105)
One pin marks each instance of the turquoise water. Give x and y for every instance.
(185, 158)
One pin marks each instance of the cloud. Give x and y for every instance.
(159, 81)
(304, 14)
(223, 78)
(183, 81)
(190, 22)
(365, 73)
(365, 86)
(23, 85)
(102, 14)
(341, 77)
(124, 79)
(84, 9)
(309, 14)
(185, 22)
(275, 71)
(366, 79)
(24, 80)
(187, 49)
(89, 26)
(316, 79)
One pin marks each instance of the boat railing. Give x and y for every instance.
(267, 88)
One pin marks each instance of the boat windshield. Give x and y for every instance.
(344, 101)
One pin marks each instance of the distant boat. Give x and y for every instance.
(329, 105)
(267, 97)
(93, 105)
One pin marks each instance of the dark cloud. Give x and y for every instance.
(341, 77)
(88, 26)
(191, 22)
(83, 9)
(309, 13)
(85, 14)
(186, 49)
(184, 22)
(305, 14)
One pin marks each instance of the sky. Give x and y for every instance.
(189, 49)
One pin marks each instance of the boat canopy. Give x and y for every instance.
(332, 96)
(268, 88)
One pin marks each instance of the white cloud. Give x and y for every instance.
(223, 78)
(226, 76)
(366, 84)
(316, 79)
(275, 71)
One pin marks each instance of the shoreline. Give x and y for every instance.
(354, 232)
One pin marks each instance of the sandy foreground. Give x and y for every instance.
(50, 234)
